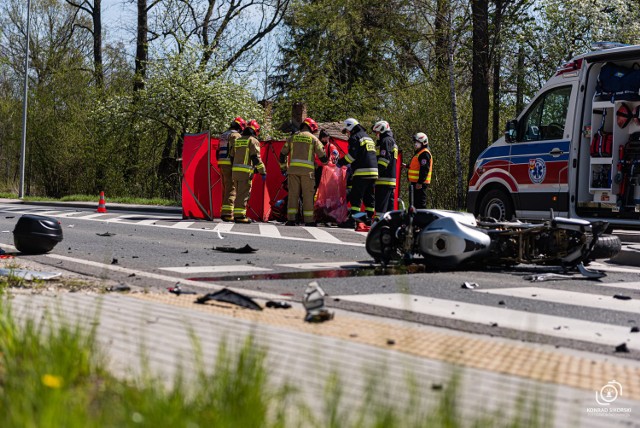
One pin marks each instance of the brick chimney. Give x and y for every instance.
(298, 114)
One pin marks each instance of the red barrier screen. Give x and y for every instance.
(196, 197)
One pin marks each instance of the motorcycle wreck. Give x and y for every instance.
(452, 240)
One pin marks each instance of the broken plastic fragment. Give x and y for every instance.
(177, 290)
(313, 302)
(470, 285)
(230, 296)
(278, 304)
(239, 250)
(622, 348)
(105, 234)
(621, 297)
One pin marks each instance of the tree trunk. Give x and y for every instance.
(97, 42)
(520, 81)
(454, 117)
(496, 59)
(479, 81)
(142, 46)
(442, 29)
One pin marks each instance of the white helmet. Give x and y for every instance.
(349, 124)
(421, 138)
(381, 126)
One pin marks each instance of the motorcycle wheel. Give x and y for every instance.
(496, 204)
(606, 247)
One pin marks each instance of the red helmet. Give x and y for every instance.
(623, 115)
(241, 122)
(312, 124)
(253, 124)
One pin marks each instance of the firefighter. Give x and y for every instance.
(300, 148)
(245, 156)
(224, 163)
(387, 152)
(420, 170)
(362, 159)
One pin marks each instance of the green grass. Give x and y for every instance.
(57, 377)
(95, 198)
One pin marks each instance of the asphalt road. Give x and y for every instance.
(157, 251)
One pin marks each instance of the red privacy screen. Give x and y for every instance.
(202, 183)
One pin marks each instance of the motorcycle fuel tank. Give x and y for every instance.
(36, 234)
(450, 242)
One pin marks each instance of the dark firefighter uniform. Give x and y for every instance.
(246, 156)
(420, 176)
(227, 140)
(387, 152)
(364, 165)
(301, 149)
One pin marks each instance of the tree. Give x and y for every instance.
(93, 9)
(479, 81)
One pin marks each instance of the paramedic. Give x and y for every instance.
(224, 163)
(362, 159)
(330, 150)
(420, 171)
(387, 152)
(245, 149)
(300, 148)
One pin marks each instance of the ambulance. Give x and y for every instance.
(574, 151)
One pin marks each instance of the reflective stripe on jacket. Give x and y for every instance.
(418, 167)
(301, 148)
(387, 152)
(362, 155)
(246, 156)
(227, 140)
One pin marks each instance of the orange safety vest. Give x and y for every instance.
(414, 167)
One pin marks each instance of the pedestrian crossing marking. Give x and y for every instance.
(269, 230)
(223, 227)
(567, 298)
(215, 269)
(183, 225)
(322, 235)
(550, 325)
(327, 265)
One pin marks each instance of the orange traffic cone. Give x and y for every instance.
(102, 208)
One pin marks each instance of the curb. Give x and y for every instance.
(91, 205)
(629, 256)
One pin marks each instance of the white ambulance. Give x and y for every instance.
(575, 149)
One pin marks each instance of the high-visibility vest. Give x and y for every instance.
(301, 154)
(226, 139)
(241, 158)
(414, 167)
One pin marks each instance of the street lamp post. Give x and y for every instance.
(23, 150)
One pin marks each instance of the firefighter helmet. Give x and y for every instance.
(349, 124)
(421, 138)
(240, 122)
(381, 126)
(253, 124)
(312, 124)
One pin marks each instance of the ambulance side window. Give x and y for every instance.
(546, 119)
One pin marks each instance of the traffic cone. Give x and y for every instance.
(102, 208)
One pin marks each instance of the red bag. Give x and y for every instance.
(331, 200)
(601, 145)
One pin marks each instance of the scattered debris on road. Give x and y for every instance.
(635, 329)
(584, 273)
(119, 288)
(622, 348)
(177, 290)
(314, 304)
(470, 285)
(106, 234)
(278, 304)
(621, 297)
(229, 296)
(238, 250)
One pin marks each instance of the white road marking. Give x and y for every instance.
(148, 222)
(91, 216)
(215, 269)
(327, 265)
(322, 235)
(49, 213)
(550, 325)
(269, 230)
(610, 268)
(152, 275)
(567, 298)
(626, 285)
(183, 225)
(223, 227)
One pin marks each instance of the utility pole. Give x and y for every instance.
(23, 151)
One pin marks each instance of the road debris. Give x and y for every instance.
(621, 297)
(106, 234)
(119, 288)
(278, 304)
(622, 348)
(238, 250)
(313, 302)
(470, 285)
(29, 275)
(177, 290)
(229, 296)
(635, 329)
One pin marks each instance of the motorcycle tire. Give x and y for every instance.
(606, 247)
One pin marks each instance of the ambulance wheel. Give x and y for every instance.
(606, 247)
(496, 204)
